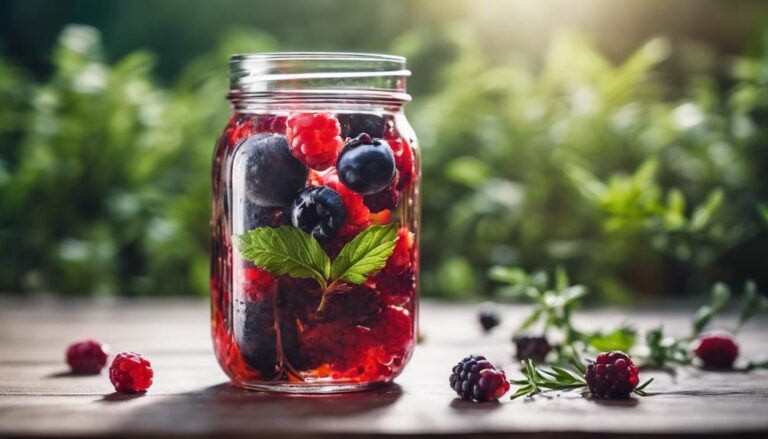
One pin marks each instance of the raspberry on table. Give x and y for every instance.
(534, 347)
(314, 139)
(87, 356)
(716, 350)
(130, 373)
(612, 375)
(475, 378)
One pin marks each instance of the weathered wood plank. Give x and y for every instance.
(191, 397)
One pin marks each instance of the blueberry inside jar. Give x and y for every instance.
(315, 223)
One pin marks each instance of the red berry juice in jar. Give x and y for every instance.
(315, 223)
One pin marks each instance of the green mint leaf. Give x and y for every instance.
(366, 253)
(621, 339)
(285, 251)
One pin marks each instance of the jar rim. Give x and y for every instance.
(267, 76)
(329, 56)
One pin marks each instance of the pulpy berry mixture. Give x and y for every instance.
(314, 248)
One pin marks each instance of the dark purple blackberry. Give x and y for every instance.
(475, 378)
(612, 375)
(352, 125)
(489, 318)
(534, 347)
(361, 306)
(255, 335)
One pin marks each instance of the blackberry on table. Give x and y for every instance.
(534, 347)
(488, 317)
(475, 378)
(612, 375)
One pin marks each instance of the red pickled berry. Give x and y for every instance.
(395, 290)
(87, 356)
(387, 199)
(130, 373)
(358, 215)
(406, 168)
(716, 350)
(258, 284)
(381, 218)
(269, 123)
(314, 139)
(340, 344)
(394, 330)
(401, 257)
(241, 127)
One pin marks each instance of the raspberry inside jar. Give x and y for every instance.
(315, 228)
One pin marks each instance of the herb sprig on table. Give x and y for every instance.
(553, 310)
(538, 379)
(554, 306)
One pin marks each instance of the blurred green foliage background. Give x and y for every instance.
(625, 141)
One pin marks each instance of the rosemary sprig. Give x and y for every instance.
(537, 380)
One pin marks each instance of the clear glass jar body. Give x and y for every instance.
(284, 331)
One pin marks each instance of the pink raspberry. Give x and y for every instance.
(130, 373)
(314, 138)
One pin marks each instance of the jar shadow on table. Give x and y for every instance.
(226, 407)
(225, 395)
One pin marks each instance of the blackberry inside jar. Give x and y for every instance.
(315, 224)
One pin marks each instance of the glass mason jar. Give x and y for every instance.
(315, 223)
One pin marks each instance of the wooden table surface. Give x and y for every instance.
(191, 396)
